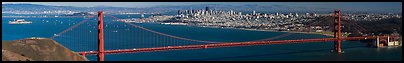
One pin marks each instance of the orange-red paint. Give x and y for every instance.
(100, 37)
(232, 44)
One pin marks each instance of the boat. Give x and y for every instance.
(56, 35)
(19, 21)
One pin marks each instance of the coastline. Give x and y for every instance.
(319, 33)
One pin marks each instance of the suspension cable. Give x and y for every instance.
(163, 33)
(72, 27)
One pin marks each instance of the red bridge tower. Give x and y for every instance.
(337, 31)
(100, 37)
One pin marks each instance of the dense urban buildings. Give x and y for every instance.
(254, 20)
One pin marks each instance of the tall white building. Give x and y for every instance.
(253, 12)
(277, 14)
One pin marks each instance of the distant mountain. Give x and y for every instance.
(265, 8)
(35, 7)
(272, 8)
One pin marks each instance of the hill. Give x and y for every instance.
(383, 26)
(41, 49)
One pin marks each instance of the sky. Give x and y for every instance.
(151, 4)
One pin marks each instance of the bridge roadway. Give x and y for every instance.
(228, 44)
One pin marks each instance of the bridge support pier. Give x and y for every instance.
(388, 40)
(377, 42)
(83, 54)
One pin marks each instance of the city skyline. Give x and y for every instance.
(201, 31)
(332, 5)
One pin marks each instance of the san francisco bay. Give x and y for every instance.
(121, 36)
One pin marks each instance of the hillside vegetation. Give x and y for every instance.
(37, 50)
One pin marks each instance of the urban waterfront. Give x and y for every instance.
(46, 27)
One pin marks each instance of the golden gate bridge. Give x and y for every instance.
(212, 44)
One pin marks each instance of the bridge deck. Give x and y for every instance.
(230, 44)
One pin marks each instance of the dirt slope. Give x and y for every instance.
(42, 49)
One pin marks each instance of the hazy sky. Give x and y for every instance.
(150, 4)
